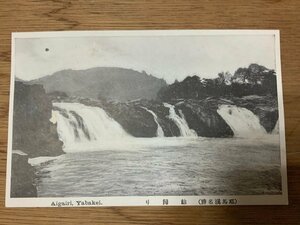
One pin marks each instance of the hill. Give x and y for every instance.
(110, 83)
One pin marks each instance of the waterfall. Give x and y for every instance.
(180, 121)
(159, 132)
(78, 124)
(242, 121)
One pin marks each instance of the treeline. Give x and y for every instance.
(254, 80)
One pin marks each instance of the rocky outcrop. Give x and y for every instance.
(22, 177)
(168, 126)
(170, 129)
(134, 119)
(32, 130)
(202, 116)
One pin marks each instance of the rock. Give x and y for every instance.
(134, 119)
(32, 130)
(202, 116)
(170, 129)
(22, 177)
(57, 95)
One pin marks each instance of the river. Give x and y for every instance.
(166, 166)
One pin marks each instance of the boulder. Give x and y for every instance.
(22, 177)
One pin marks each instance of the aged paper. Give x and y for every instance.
(143, 118)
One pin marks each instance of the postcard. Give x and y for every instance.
(146, 118)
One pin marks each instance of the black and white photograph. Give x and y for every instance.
(178, 117)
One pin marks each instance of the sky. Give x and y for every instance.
(168, 57)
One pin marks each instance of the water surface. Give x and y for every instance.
(166, 166)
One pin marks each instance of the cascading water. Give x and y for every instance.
(84, 128)
(180, 121)
(242, 121)
(159, 132)
(78, 124)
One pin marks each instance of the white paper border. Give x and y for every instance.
(151, 200)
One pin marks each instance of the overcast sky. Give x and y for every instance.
(168, 57)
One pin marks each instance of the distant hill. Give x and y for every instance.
(111, 83)
(18, 79)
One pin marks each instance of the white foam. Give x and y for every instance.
(42, 159)
(180, 121)
(159, 132)
(95, 126)
(18, 152)
(242, 121)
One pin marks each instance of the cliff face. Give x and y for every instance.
(33, 133)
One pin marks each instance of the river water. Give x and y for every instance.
(166, 166)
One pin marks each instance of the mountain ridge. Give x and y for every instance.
(113, 83)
